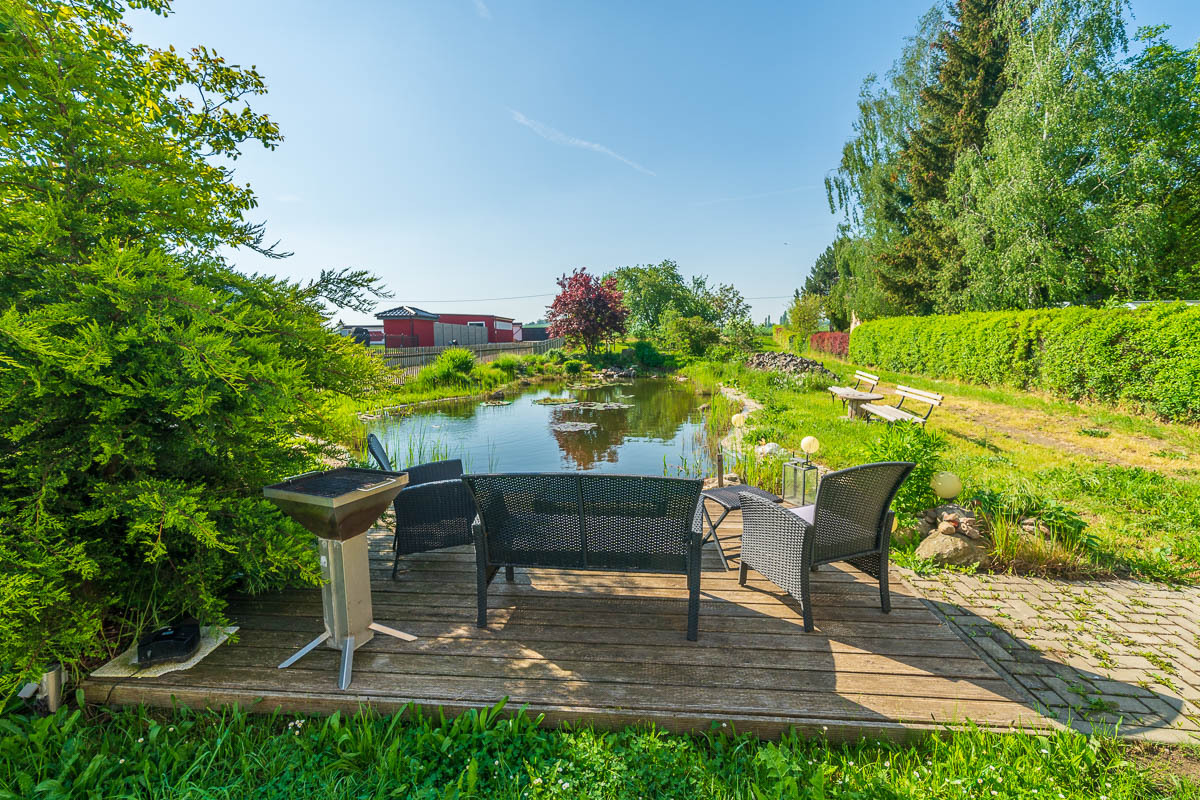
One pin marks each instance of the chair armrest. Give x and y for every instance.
(773, 539)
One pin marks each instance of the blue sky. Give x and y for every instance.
(474, 149)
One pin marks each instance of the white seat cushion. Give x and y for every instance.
(805, 513)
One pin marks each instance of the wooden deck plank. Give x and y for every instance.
(608, 649)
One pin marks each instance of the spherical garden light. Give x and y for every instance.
(800, 477)
(810, 445)
(946, 485)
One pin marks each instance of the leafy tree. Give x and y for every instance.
(691, 335)
(649, 290)
(148, 390)
(1086, 188)
(803, 317)
(587, 310)
(740, 334)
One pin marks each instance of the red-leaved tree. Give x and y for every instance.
(587, 310)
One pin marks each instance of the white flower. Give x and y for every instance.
(724, 724)
(141, 739)
(1045, 751)
(121, 761)
(537, 781)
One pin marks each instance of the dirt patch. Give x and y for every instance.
(1181, 762)
(1062, 434)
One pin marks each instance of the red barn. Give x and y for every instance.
(499, 329)
(407, 326)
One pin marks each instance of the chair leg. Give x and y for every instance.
(806, 600)
(395, 565)
(742, 572)
(885, 595)
(481, 584)
(509, 575)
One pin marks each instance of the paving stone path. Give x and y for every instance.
(1089, 653)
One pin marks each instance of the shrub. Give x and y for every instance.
(573, 367)
(836, 343)
(510, 365)
(647, 354)
(1147, 357)
(690, 335)
(908, 441)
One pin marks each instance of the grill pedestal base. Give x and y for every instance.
(346, 597)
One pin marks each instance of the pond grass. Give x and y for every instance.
(496, 755)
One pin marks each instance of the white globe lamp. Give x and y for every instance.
(946, 485)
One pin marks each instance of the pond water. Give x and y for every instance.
(647, 426)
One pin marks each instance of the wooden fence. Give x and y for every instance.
(411, 359)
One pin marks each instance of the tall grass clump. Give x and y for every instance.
(908, 441)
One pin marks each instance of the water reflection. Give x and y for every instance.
(657, 428)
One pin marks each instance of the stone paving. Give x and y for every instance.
(1092, 654)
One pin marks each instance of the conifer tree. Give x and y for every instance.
(923, 269)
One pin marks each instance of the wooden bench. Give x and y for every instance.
(897, 414)
(863, 381)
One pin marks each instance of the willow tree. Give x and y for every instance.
(148, 389)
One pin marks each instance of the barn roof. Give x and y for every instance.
(405, 312)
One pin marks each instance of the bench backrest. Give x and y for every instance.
(920, 395)
(861, 377)
(583, 521)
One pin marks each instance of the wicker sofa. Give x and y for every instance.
(584, 521)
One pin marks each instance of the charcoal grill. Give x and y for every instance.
(338, 506)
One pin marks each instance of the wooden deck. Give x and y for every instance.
(609, 649)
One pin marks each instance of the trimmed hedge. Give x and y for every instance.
(835, 343)
(1147, 357)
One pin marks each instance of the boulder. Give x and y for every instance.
(768, 450)
(496, 395)
(953, 549)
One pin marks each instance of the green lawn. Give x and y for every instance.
(231, 754)
(1133, 480)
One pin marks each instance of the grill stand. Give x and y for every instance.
(346, 597)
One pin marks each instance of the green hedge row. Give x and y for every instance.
(1147, 357)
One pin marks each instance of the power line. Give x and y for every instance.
(551, 294)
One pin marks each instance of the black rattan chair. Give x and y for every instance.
(850, 521)
(580, 521)
(433, 511)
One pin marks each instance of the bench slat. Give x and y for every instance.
(932, 398)
(891, 413)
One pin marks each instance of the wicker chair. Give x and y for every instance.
(851, 521)
(433, 511)
(579, 521)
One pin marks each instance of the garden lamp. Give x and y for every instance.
(946, 485)
(810, 445)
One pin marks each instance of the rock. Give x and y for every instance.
(702, 407)
(946, 528)
(970, 529)
(953, 550)
(786, 363)
(925, 526)
(732, 477)
(496, 395)
(768, 449)
(524, 382)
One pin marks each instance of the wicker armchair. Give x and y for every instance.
(851, 521)
(579, 521)
(433, 511)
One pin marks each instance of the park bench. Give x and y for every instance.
(863, 381)
(572, 520)
(897, 414)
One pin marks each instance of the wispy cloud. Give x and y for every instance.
(482, 10)
(756, 196)
(558, 137)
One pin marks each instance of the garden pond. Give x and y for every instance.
(645, 426)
